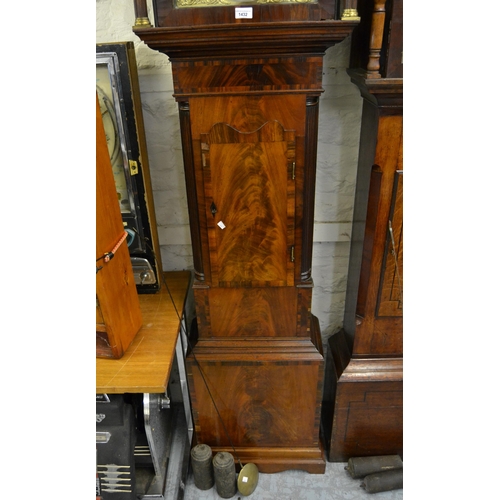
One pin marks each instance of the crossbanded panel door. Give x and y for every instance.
(250, 197)
(390, 301)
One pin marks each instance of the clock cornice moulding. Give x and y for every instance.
(262, 39)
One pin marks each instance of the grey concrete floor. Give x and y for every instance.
(335, 484)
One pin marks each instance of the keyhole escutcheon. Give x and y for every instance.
(213, 209)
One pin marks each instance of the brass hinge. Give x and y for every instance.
(293, 170)
(292, 253)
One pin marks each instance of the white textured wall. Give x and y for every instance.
(340, 114)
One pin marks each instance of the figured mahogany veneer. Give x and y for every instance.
(275, 312)
(250, 169)
(248, 176)
(266, 392)
(248, 94)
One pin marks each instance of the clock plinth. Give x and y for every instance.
(265, 400)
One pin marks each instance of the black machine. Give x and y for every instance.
(143, 440)
(115, 442)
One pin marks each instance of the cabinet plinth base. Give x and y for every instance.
(362, 413)
(272, 460)
(262, 397)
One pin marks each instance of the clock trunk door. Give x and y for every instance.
(250, 196)
(390, 301)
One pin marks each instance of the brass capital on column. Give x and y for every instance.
(350, 15)
(350, 10)
(142, 22)
(141, 14)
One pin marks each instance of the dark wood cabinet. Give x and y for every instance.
(248, 93)
(363, 401)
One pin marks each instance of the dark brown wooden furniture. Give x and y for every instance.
(363, 407)
(248, 93)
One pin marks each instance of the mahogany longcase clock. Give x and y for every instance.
(247, 79)
(363, 407)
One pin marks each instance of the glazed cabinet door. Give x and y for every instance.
(250, 204)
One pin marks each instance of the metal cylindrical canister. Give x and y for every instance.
(201, 462)
(383, 481)
(225, 474)
(362, 466)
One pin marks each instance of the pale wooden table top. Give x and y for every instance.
(145, 367)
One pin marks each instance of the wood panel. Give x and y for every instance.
(374, 194)
(368, 416)
(265, 392)
(196, 210)
(366, 427)
(250, 202)
(246, 114)
(254, 312)
(257, 411)
(362, 411)
(377, 334)
(118, 312)
(235, 75)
